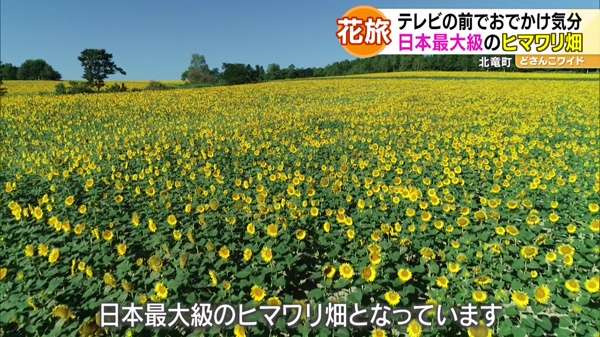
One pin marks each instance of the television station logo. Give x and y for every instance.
(364, 31)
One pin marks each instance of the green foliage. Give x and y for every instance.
(115, 87)
(2, 89)
(34, 70)
(155, 85)
(8, 71)
(60, 89)
(136, 190)
(97, 66)
(238, 73)
(198, 71)
(74, 87)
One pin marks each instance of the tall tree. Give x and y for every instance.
(198, 71)
(97, 66)
(273, 72)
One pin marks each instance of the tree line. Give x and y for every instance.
(98, 65)
(37, 69)
(237, 73)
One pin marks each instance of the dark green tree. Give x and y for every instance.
(237, 73)
(37, 70)
(97, 66)
(8, 71)
(198, 71)
(273, 72)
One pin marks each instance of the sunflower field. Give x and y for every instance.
(395, 189)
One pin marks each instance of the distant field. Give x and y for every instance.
(47, 87)
(486, 74)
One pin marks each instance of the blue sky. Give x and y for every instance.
(155, 39)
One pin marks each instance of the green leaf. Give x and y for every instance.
(355, 297)
(519, 331)
(316, 294)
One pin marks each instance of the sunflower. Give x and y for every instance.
(375, 258)
(226, 285)
(38, 214)
(529, 252)
(29, 251)
(272, 230)
(300, 234)
(572, 286)
(483, 280)
(155, 263)
(213, 278)
(239, 331)
(42, 249)
(512, 204)
(172, 220)
(479, 296)
(369, 274)
(568, 260)
(107, 235)
(392, 297)
(274, 301)
(257, 293)
(414, 329)
(542, 294)
(361, 204)
(329, 271)
(152, 226)
(314, 211)
(512, 230)
(350, 234)
(520, 299)
(377, 332)
(79, 228)
(442, 282)
(121, 249)
(250, 229)
(224, 252)
(404, 275)
(62, 312)
(566, 250)
(54, 255)
(161, 291)
(135, 219)
(480, 330)
(109, 280)
(266, 254)
(592, 284)
(346, 271)
(550, 257)
(247, 254)
(69, 200)
(453, 267)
